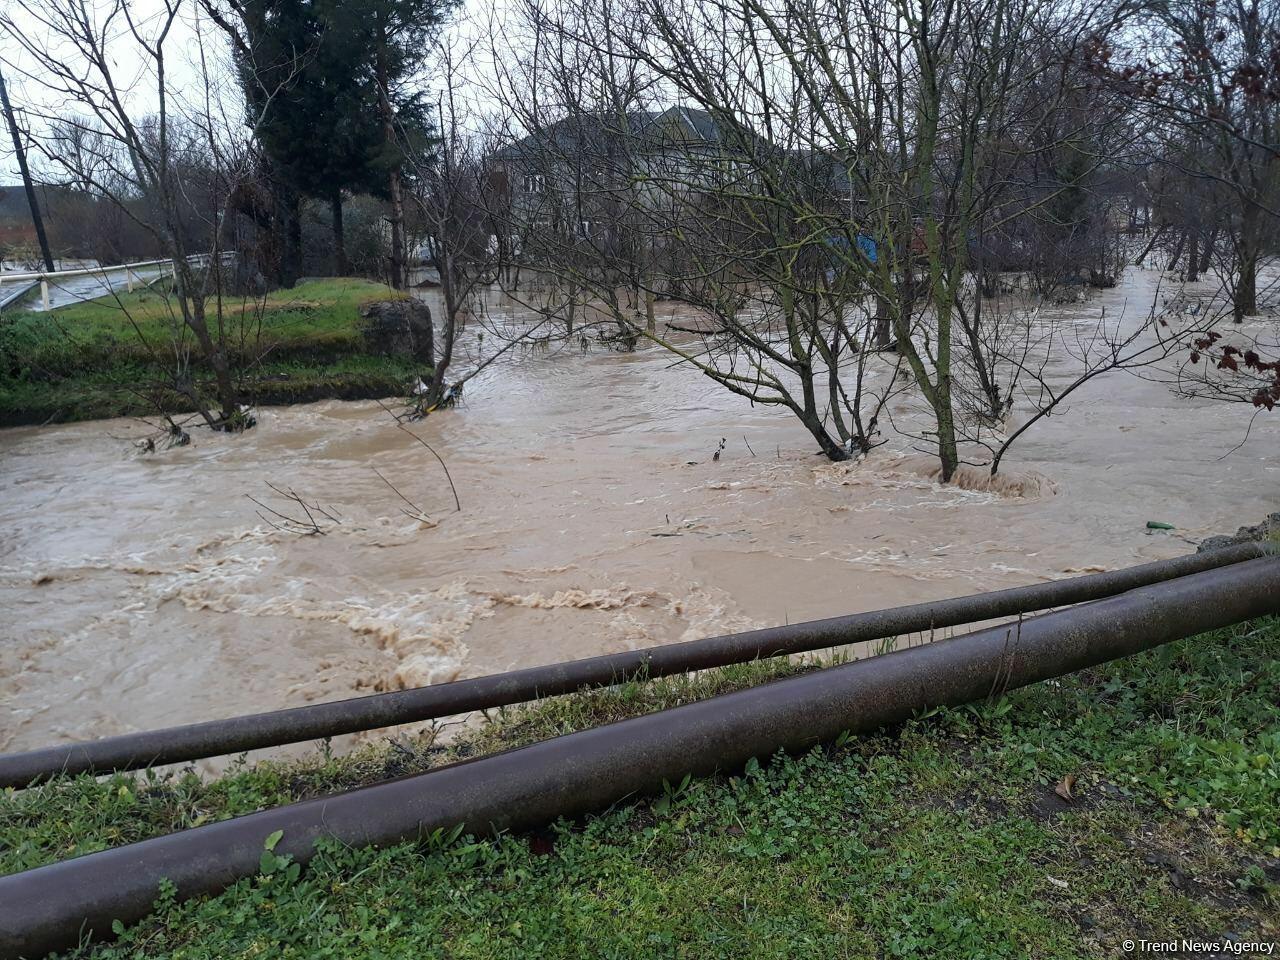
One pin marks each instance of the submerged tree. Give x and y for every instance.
(1207, 75)
(814, 178)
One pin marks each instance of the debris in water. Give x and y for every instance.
(309, 523)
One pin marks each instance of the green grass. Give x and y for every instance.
(941, 838)
(87, 360)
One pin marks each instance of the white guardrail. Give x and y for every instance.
(62, 287)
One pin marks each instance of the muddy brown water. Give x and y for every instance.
(140, 591)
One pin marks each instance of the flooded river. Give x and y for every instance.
(140, 590)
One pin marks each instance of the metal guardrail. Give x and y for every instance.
(18, 292)
(133, 274)
(62, 904)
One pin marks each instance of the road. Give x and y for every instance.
(73, 286)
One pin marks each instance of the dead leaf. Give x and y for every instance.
(1065, 786)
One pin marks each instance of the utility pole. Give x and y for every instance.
(26, 176)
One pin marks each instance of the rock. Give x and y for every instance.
(1216, 543)
(1267, 529)
(399, 327)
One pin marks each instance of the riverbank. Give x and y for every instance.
(1137, 800)
(94, 360)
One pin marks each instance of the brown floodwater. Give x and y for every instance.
(145, 590)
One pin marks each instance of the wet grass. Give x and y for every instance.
(947, 837)
(91, 360)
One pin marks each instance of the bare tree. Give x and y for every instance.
(1086, 351)
(1206, 75)
(67, 42)
(451, 198)
(20, 154)
(811, 177)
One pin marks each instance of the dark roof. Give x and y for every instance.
(583, 132)
(583, 135)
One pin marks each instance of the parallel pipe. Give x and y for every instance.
(238, 734)
(54, 906)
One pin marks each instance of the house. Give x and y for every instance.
(586, 176)
(587, 170)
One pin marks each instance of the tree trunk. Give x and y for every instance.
(293, 242)
(948, 452)
(227, 394)
(1193, 259)
(943, 407)
(569, 315)
(809, 417)
(286, 230)
(635, 302)
(830, 449)
(1245, 302)
(1246, 298)
(987, 383)
(1146, 251)
(1206, 255)
(1177, 252)
(21, 156)
(884, 322)
(395, 186)
(196, 319)
(339, 236)
(397, 272)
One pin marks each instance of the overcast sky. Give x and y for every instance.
(192, 35)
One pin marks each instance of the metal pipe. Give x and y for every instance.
(238, 734)
(54, 906)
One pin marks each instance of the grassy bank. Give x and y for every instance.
(1137, 800)
(92, 360)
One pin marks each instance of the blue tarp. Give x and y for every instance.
(865, 244)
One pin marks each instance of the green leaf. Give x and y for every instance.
(273, 839)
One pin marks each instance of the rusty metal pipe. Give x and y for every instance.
(52, 907)
(238, 734)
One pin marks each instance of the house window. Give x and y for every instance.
(584, 229)
(535, 183)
